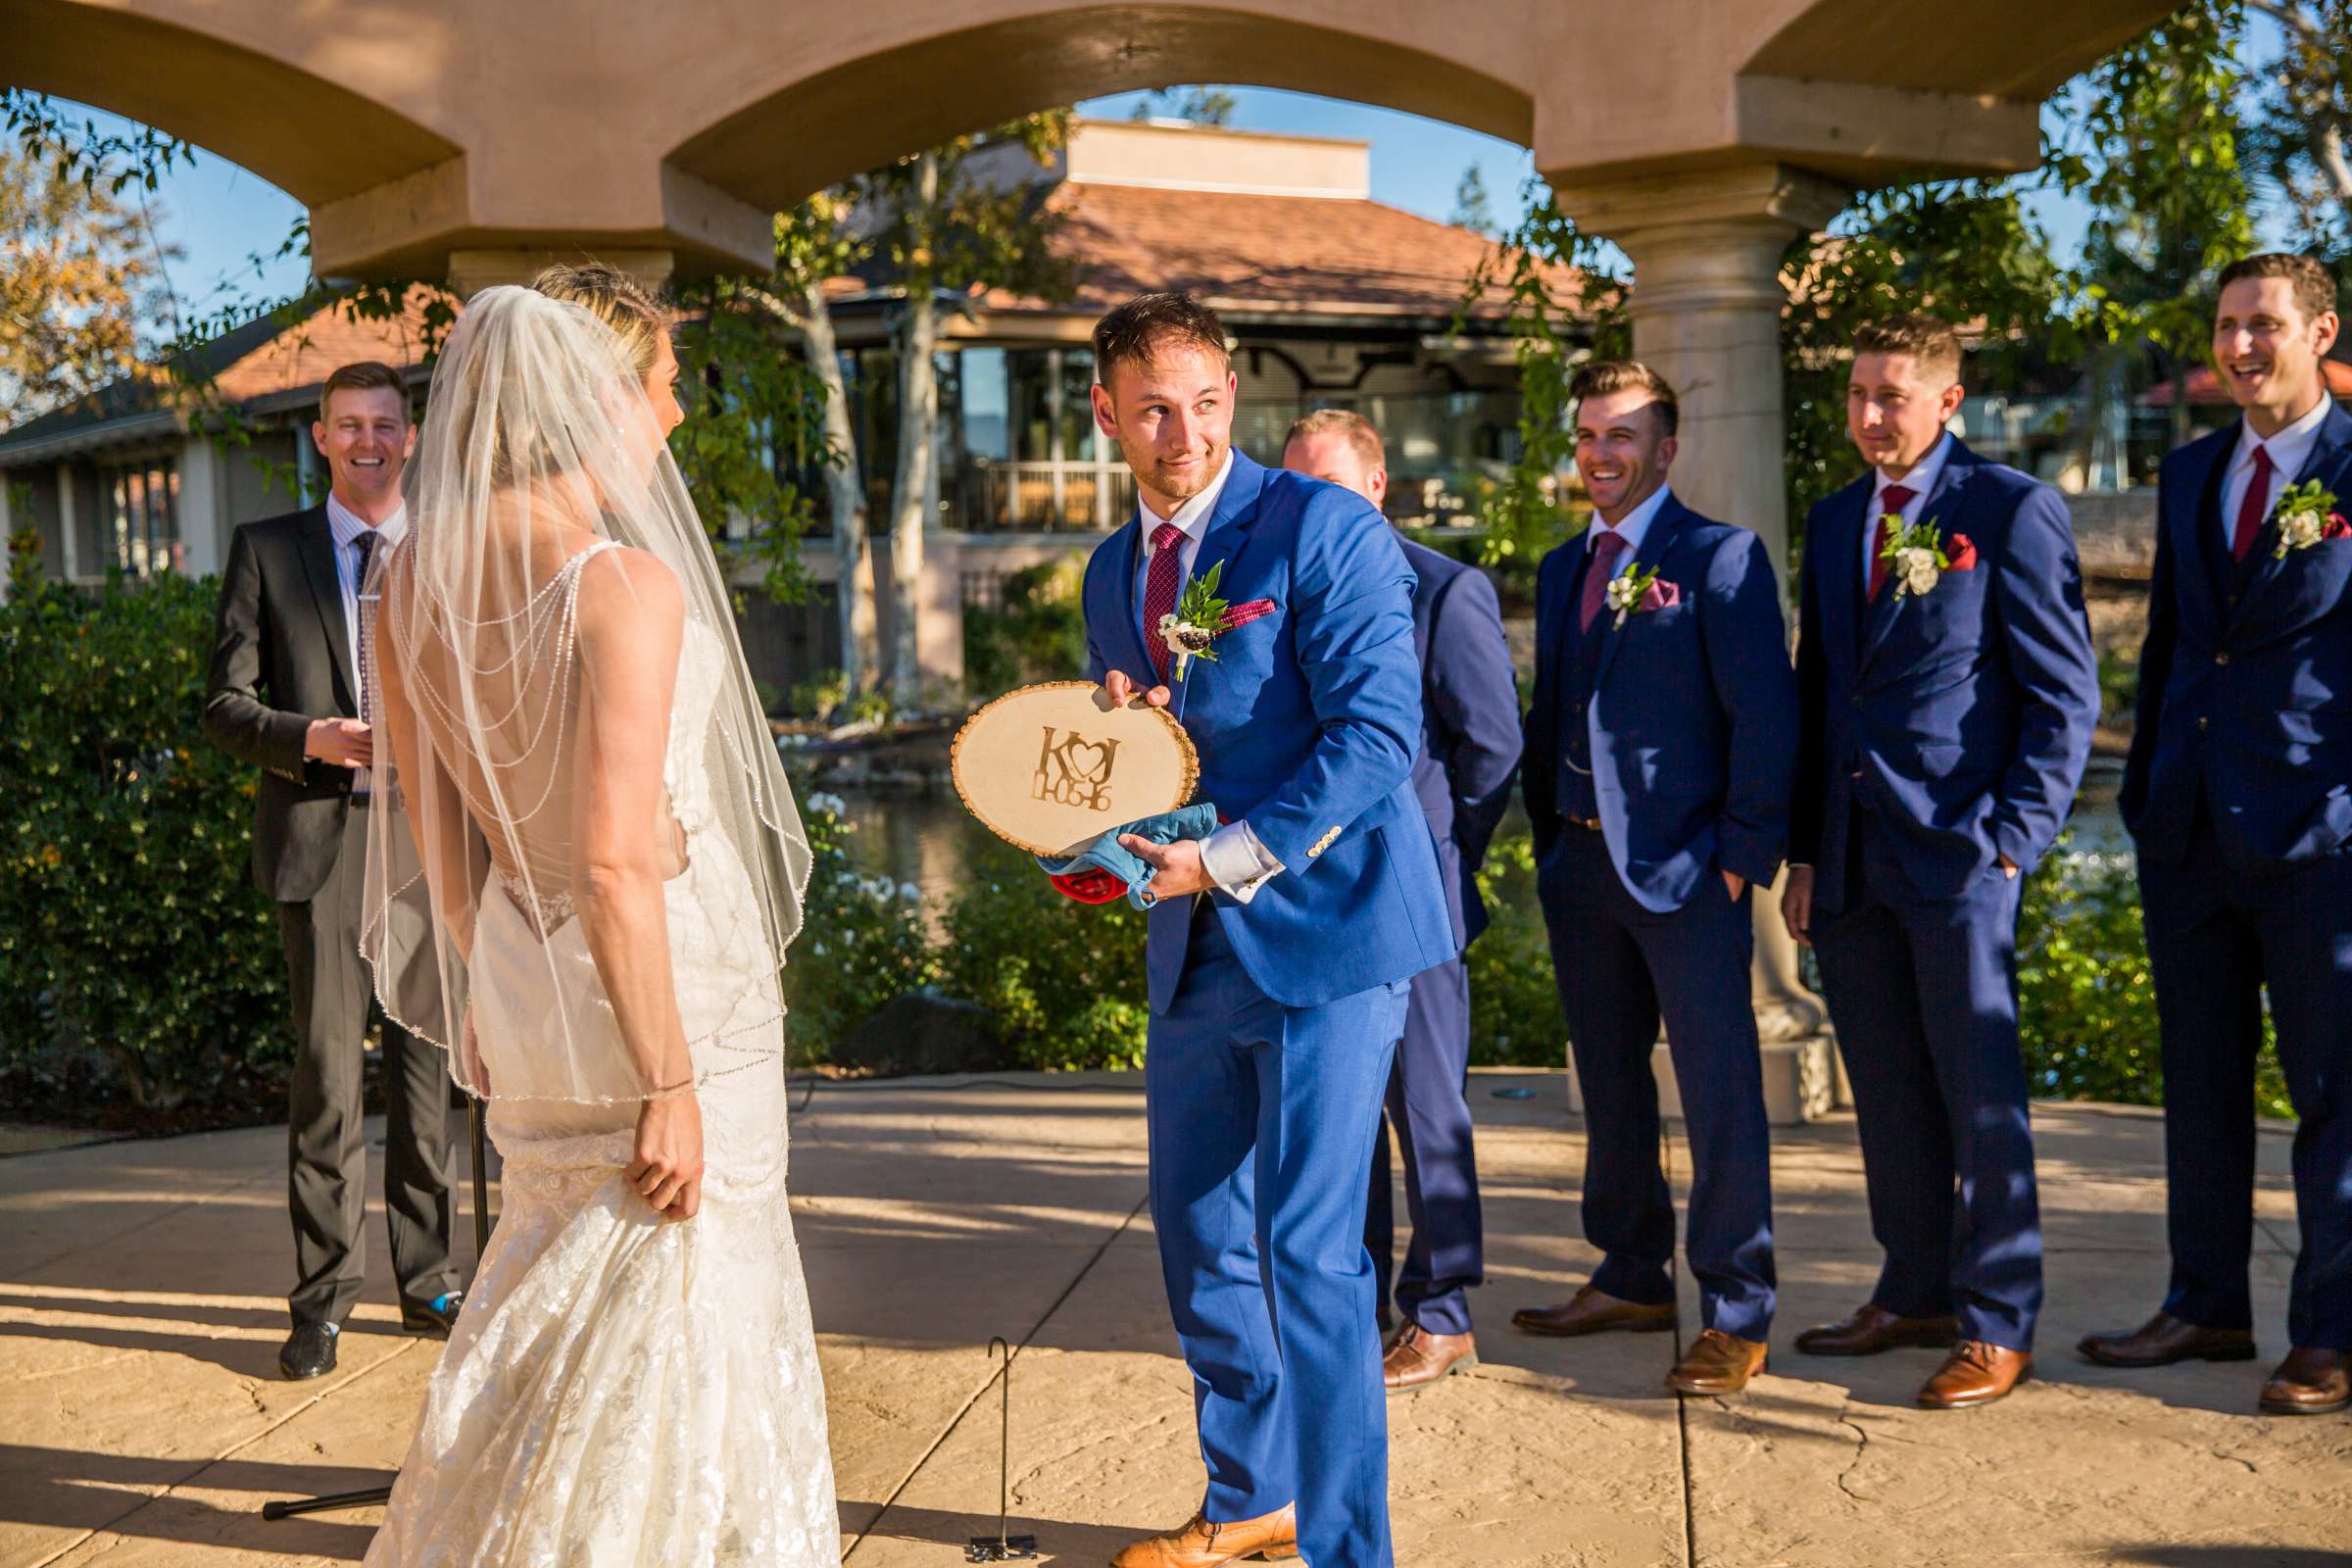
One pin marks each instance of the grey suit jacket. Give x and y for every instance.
(281, 657)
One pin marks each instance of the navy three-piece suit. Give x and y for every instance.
(2238, 792)
(1274, 1021)
(1676, 733)
(1941, 732)
(1469, 753)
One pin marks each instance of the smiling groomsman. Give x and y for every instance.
(286, 696)
(1660, 751)
(2238, 792)
(1947, 693)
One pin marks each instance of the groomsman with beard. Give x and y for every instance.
(1660, 751)
(1946, 713)
(2237, 793)
(285, 695)
(1469, 753)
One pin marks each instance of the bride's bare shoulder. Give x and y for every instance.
(629, 597)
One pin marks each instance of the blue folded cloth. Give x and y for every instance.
(1106, 868)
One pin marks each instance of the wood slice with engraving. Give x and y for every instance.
(1052, 768)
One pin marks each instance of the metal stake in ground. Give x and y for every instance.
(1004, 1547)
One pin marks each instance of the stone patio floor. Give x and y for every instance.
(142, 1422)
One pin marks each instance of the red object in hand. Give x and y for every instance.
(1091, 886)
(1962, 555)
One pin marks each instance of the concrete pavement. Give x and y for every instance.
(141, 1420)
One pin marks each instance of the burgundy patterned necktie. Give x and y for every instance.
(2254, 507)
(1607, 545)
(1160, 591)
(1892, 502)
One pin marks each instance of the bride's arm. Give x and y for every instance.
(631, 620)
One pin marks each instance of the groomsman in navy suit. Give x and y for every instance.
(1947, 716)
(1282, 945)
(2239, 793)
(1661, 748)
(1462, 775)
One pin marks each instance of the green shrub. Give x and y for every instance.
(1039, 633)
(136, 960)
(861, 942)
(1515, 1019)
(1066, 980)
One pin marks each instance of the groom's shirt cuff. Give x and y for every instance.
(1237, 861)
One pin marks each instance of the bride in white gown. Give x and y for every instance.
(584, 891)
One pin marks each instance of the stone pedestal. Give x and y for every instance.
(1706, 305)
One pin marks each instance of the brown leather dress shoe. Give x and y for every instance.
(1592, 1311)
(1273, 1537)
(2309, 1382)
(1977, 1373)
(1869, 1328)
(1717, 1364)
(2163, 1339)
(1419, 1357)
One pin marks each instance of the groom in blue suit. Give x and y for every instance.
(1280, 949)
(1660, 751)
(2238, 792)
(1947, 716)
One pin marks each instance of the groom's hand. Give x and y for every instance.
(1120, 687)
(343, 742)
(1177, 867)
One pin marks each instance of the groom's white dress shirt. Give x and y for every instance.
(2289, 450)
(1231, 856)
(348, 526)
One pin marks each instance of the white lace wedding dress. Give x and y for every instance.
(620, 1391)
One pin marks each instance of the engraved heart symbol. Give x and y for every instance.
(1084, 760)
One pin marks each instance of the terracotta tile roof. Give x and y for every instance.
(1319, 255)
(2205, 388)
(305, 355)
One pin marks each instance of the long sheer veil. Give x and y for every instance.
(539, 455)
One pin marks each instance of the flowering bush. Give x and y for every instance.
(861, 940)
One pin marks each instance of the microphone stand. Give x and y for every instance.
(377, 1497)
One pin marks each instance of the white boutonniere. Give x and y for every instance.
(1202, 617)
(1638, 591)
(1917, 558)
(2307, 516)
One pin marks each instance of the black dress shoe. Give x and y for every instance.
(309, 1352)
(433, 1318)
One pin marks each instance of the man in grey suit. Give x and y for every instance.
(285, 695)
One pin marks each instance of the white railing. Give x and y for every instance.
(1044, 497)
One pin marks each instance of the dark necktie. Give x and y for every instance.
(365, 544)
(1160, 591)
(2255, 506)
(1607, 545)
(1891, 501)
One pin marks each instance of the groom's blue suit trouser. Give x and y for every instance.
(1261, 1119)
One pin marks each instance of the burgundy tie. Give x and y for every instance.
(1607, 545)
(2255, 506)
(1893, 499)
(1160, 591)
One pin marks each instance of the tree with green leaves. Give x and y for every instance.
(1473, 208)
(2302, 138)
(1201, 106)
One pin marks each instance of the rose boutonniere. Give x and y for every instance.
(1638, 591)
(1202, 617)
(1917, 557)
(2307, 516)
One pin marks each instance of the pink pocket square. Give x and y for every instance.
(1661, 596)
(1243, 615)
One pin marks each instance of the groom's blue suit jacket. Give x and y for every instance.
(1306, 722)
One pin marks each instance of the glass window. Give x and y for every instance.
(139, 527)
(987, 431)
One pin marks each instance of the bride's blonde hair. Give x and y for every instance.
(636, 318)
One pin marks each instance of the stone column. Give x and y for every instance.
(472, 271)
(1706, 307)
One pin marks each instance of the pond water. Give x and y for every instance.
(927, 838)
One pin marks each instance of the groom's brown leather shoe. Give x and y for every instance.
(1717, 1364)
(1592, 1311)
(1871, 1328)
(2309, 1382)
(2163, 1339)
(1977, 1373)
(1273, 1537)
